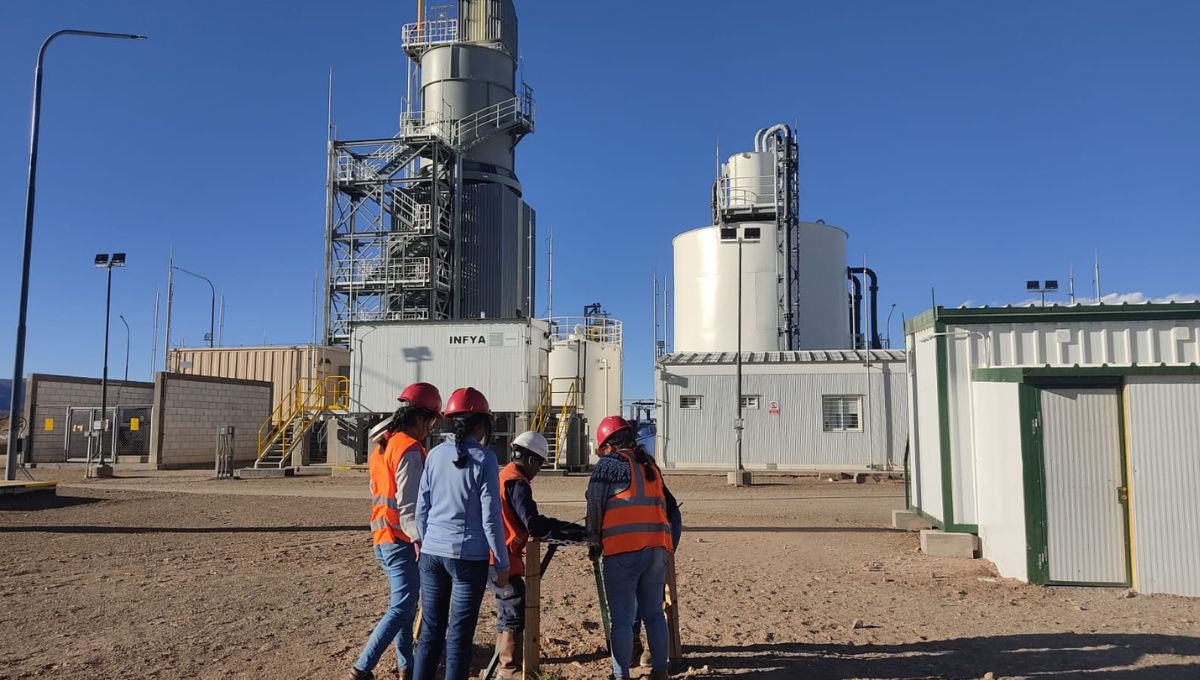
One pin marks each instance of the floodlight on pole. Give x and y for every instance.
(1041, 287)
(10, 469)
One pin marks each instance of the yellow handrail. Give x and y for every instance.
(560, 432)
(307, 396)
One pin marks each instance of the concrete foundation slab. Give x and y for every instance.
(908, 520)
(12, 488)
(733, 478)
(938, 543)
(264, 473)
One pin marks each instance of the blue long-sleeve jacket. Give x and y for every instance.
(458, 510)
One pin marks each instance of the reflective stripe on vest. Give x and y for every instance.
(636, 518)
(383, 462)
(516, 534)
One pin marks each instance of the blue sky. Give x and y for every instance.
(966, 147)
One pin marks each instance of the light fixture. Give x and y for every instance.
(102, 260)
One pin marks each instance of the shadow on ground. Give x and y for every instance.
(1064, 656)
(28, 502)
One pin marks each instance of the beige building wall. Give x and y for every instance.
(188, 410)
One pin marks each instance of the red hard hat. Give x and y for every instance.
(422, 395)
(466, 400)
(610, 426)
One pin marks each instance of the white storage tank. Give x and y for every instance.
(588, 352)
(706, 292)
(823, 308)
(750, 180)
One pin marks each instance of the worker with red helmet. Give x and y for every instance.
(396, 464)
(628, 510)
(522, 520)
(458, 511)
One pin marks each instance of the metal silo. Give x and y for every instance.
(793, 283)
(430, 223)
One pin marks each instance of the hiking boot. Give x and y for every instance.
(356, 674)
(509, 645)
(659, 675)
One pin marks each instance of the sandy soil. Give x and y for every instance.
(172, 575)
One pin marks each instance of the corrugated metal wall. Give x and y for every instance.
(793, 438)
(926, 453)
(1164, 459)
(1120, 343)
(506, 365)
(280, 366)
(1085, 523)
(498, 251)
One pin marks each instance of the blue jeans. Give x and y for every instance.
(451, 593)
(634, 583)
(399, 562)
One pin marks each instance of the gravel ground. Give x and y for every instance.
(173, 575)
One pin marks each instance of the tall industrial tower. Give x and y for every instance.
(430, 224)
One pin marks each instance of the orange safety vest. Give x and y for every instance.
(636, 518)
(385, 517)
(516, 534)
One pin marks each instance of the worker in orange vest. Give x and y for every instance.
(396, 464)
(521, 521)
(628, 508)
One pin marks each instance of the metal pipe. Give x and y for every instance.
(874, 290)
(170, 299)
(212, 309)
(122, 317)
(738, 425)
(154, 332)
(104, 375)
(855, 307)
(15, 404)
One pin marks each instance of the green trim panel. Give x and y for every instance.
(1033, 471)
(1076, 375)
(943, 399)
(986, 315)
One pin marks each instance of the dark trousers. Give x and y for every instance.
(510, 611)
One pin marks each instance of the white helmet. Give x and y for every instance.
(533, 442)
(377, 431)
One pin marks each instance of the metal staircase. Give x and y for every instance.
(553, 421)
(309, 400)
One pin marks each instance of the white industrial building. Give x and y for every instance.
(1066, 438)
(837, 410)
(815, 393)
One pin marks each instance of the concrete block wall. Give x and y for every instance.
(49, 396)
(188, 410)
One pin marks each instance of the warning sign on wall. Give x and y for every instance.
(773, 408)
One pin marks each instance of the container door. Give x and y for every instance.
(1085, 495)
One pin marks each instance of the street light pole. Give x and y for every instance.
(122, 317)
(738, 425)
(104, 424)
(10, 469)
(212, 309)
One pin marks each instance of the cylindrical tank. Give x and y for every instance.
(706, 286)
(706, 290)
(750, 180)
(822, 311)
(460, 79)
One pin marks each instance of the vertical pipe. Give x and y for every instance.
(654, 315)
(550, 276)
(666, 317)
(738, 425)
(221, 324)
(154, 334)
(104, 375)
(170, 298)
(1097, 265)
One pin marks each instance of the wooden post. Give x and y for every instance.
(671, 605)
(533, 608)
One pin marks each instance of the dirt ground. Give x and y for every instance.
(173, 575)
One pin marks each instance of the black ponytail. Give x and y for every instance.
(627, 440)
(463, 427)
(405, 417)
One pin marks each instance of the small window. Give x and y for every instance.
(750, 401)
(689, 402)
(842, 413)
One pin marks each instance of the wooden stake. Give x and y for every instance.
(671, 606)
(533, 608)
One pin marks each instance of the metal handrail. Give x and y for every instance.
(425, 34)
(560, 431)
(595, 328)
(308, 395)
(519, 110)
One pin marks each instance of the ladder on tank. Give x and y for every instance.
(553, 421)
